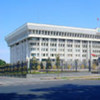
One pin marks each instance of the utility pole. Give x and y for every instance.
(90, 61)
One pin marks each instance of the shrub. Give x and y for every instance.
(82, 66)
(94, 66)
(54, 66)
(38, 67)
(69, 66)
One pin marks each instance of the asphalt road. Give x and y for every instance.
(31, 89)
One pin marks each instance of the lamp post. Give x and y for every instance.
(90, 60)
(28, 59)
(98, 64)
(76, 64)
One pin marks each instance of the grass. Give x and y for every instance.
(49, 72)
(81, 78)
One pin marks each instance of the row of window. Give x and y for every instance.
(69, 34)
(69, 50)
(96, 51)
(62, 45)
(61, 55)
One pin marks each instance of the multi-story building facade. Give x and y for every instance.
(43, 41)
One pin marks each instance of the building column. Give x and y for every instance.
(19, 51)
(11, 55)
(27, 53)
(27, 49)
(14, 54)
(24, 51)
(40, 49)
(49, 47)
(81, 52)
(91, 52)
(73, 48)
(88, 51)
(65, 50)
(57, 46)
(21, 55)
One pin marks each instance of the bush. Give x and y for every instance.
(54, 66)
(38, 67)
(94, 66)
(82, 66)
(69, 66)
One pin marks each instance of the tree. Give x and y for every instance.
(57, 60)
(48, 64)
(2, 62)
(41, 65)
(76, 65)
(34, 63)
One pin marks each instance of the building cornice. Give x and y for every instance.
(24, 29)
(60, 28)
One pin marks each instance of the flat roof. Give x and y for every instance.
(29, 26)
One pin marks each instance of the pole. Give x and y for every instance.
(90, 61)
(29, 64)
(76, 65)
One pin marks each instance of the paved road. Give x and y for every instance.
(31, 89)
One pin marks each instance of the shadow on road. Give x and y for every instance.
(65, 92)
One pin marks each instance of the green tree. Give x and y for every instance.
(2, 63)
(34, 63)
(41, 65)
(48, 64)
(57, 60)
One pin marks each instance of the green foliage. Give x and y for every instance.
(69, 66)
(41, 65)
(94, 66)
(54, 66)
(82, 66)
(57, 60)
(2, 63)
(34, 63)
(48, 64)
(38, 67)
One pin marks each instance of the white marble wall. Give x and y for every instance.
(19, 52)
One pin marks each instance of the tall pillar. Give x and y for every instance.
(14, 54)
(27, 49)
(27, 53)
(57, 46)
(21, 52)
(88, 51)
(91, 52)
(65, 50)
(24, 51)
(73, 48)
(11, 54)
(81, 52)
(40, 49)
(49, 47)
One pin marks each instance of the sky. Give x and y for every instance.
(74, 13)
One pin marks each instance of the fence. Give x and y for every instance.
(14, 70)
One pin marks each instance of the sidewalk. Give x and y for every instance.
(39, 78)
(62, 74)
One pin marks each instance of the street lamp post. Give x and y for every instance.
(90, 60)
(76, 61)
(28, 59)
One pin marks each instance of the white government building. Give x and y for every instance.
(43, 41)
